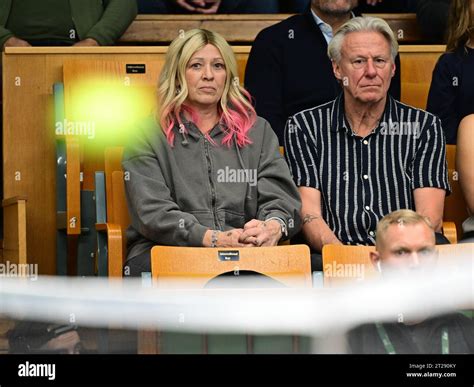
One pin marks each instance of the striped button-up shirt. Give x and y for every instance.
(363, 179)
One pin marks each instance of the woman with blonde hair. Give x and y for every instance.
(205, 171)
(451, 95)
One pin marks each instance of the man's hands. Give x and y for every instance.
(200, 6)
(259, 233)
(373, 2)
(16, 42)
(89, 42)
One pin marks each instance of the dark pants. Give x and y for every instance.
(227, 6)
(399, 6)
(294, 6)
(441, 239)
(468, 237)
(134, 267)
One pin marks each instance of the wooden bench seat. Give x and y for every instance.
(239, 29)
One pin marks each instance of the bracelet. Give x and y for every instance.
(214, 236)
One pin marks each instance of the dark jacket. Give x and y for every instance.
(388, 6)
(288, 71)
(227, 6)
(421, 338)
(102, 20)
(451, 95)
(175, 194)
(432, 16)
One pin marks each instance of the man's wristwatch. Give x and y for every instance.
(284, 229)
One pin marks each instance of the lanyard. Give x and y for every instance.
(387, 343)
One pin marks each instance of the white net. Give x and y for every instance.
(318, 313)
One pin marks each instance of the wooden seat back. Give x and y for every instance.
(347, 264)
(344, 264)
(417, 64)
(196, 266)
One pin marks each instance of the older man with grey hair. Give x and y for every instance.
(288, 69)
(363, 155)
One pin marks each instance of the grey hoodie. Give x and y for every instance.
(176, 193)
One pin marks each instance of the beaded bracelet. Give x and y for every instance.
(214, 238)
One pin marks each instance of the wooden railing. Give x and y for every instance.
(242, 29)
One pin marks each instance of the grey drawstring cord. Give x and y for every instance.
(182, 130)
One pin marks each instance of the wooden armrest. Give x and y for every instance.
(14, 238)
(12, 201)
(73, 186)
(449, 231)
(114, 247)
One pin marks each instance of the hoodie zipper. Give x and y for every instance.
(211, 182)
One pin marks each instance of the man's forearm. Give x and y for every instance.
(317, 232)
(429, 202)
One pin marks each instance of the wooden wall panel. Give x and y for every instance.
(417, 64)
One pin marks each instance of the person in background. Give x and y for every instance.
(41, 338)
(294, 6)
(206, 172)
(406, 244)
(26, 23)
(387, 6)
(432, 19)
(366, 6)
(464, 165)
(363, 155)
(451, 95)
(207, 6)
(152, 6)
(288, 69)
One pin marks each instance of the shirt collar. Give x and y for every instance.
(338, 117)
(339, 120)
(325, 28)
